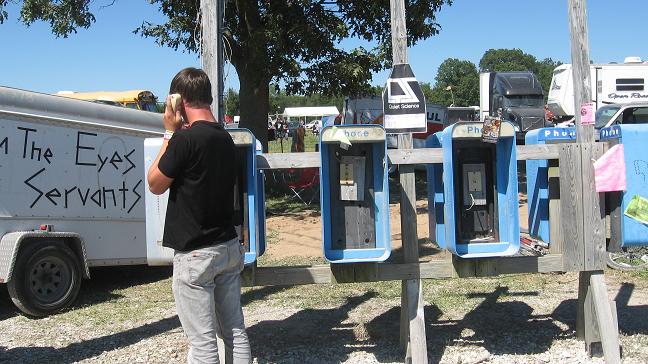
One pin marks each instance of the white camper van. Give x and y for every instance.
(72, 191)
(610, 84)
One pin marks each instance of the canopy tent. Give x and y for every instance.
(294, 112)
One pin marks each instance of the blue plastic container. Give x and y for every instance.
(500, 192)
(254, 219)
(633, 138)
(354, 230)
(538, 179)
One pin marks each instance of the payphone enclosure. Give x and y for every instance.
(248, 202)
(624, 229)
(354, 194)
(473, 195)
(246, 206)
(543, 185)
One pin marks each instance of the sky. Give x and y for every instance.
(109, 56)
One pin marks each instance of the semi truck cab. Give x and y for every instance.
(518, 95)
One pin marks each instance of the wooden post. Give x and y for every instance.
(412, 329)
(211, 56)
(211, 50)
(592, 291)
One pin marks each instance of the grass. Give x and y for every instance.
(282, 203)
(310, 140)
(118, 298)
(640, 274)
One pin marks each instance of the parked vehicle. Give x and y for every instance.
(314, 125)
(610, 84)
(632, 113)
(134, 99)
(518, 96)
(462, 113)
(71, 194)
(369, 110)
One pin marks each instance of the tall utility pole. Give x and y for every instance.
(412, 327)
(211, 49)
(595, 317)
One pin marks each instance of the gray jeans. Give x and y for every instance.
(207, 292)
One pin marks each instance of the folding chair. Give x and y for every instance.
(307, 180)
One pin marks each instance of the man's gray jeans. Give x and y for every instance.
(207, 292)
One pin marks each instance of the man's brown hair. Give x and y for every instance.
(194, 87)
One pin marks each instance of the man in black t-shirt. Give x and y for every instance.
(197, 162)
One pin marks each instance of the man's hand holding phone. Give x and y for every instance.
(172, 115)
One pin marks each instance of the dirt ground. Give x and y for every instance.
(127, 315)
(301, 234)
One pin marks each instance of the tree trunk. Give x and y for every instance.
(254, 96)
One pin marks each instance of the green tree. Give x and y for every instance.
(544, 71)
(427, 90)
(504, 60)
(456, 82)
(232, 102)
(296, 43)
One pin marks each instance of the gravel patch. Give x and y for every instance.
(129, 317)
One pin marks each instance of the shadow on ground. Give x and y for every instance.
(631, 318)
(507, 327)
(93, 347)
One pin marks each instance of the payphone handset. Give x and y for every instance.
(474, 184)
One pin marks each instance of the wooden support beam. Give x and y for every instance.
(595, 249)
(594, 308)
(211, 49)
(594, 312)
(412, 318)
(397, 156)
(571, 208)
(538, 151)
(375, 272)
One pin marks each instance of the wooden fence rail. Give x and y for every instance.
(397, 156)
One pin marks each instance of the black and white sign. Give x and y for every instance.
(403, 102)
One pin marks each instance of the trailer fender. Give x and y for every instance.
(11, 243)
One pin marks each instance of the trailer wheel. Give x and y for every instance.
(46, 278)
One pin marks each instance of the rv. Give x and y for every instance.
(515, 96)
(610, 84)
(72, 190)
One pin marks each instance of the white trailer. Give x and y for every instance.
(610, 84)
(72, 188)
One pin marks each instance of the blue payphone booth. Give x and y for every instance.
(354, 194)
(625, 230)
(475, 194)
(248, 200)
(539, 187)
(248, 195)
(260, 209)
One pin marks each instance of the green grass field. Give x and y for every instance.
(278, 146)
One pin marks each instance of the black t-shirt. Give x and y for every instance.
(202, 162)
